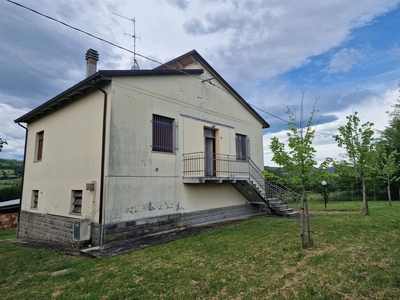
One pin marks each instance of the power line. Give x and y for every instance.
(140, 55)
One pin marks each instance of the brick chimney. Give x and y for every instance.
(92, 57)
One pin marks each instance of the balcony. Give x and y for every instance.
(244, 175)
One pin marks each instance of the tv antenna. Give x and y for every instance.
(135, 63)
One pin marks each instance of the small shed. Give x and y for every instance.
(9, 214)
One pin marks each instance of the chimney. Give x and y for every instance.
(92, 57)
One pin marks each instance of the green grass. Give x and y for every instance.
(354, 257)
(7, 234)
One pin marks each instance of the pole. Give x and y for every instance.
(324, 196)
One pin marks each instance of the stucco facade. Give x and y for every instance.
(103, 136)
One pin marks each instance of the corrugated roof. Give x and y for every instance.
(9, 203)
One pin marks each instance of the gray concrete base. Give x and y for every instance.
(60, 229)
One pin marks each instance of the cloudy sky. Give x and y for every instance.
(345, 53)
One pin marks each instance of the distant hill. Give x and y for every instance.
(10, 168)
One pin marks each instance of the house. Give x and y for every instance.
(125, 153)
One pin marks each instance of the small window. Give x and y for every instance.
(39, 145)
(77, 201)
(242, 147)
(35, 198)
(163, 134)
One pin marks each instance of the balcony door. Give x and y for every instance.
(209, 152)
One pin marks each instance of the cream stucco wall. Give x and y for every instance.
(141, 183)
(71, 158)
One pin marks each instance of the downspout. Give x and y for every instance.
(103, 155)
(23, 176)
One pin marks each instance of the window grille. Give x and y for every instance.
(164, 134)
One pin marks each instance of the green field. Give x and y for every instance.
(9, 182)
(354, 257)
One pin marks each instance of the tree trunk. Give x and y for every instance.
(389, 194)
(309, 241)
(364, 193)
(302, 218)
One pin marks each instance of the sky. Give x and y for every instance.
(341, 55)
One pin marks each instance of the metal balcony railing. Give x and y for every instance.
(228, 167)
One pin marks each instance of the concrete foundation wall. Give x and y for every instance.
(48, 227)
(145, 226)
(60, 229)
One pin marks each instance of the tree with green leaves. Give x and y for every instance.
(2, 142)
(391, 134)
(357, 140)
(387, 167)
(323, 175)
(298, 161)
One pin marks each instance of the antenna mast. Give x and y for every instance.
(135, 63)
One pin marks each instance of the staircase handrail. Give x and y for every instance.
(283, 193)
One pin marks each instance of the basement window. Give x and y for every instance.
(76, 201)
(164, 134)
(35, 198)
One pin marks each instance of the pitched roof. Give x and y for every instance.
(192, 57)
(86, 86)
(102, 77)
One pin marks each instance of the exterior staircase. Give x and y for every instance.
(247, 178)
(278, 203)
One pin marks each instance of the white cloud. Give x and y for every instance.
(11, 132)
(346, 59)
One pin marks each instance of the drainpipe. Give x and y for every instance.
(103, 154)
(23, 175)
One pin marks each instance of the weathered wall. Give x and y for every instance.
(71, 158)
(136, 228)
(49, 227)
(141, 183)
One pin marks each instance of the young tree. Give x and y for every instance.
(387, 168)
(298, 161)
(357, 141)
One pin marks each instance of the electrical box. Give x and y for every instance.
(90, 187)
(81, 230)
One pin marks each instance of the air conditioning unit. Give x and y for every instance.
(81, 230)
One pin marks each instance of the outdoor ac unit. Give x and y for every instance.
(81, 230)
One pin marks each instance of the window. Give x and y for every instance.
(242, 147)
(35, 197)
(163, 134)
(39, 145)
(77, 201)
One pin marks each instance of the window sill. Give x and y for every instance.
(162, 152)
(75, 214)
(35, 161)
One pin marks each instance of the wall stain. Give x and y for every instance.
(178, 207)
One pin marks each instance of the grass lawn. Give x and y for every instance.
(7, 234)
(354, 257)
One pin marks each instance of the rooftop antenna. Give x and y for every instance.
(135, 63)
